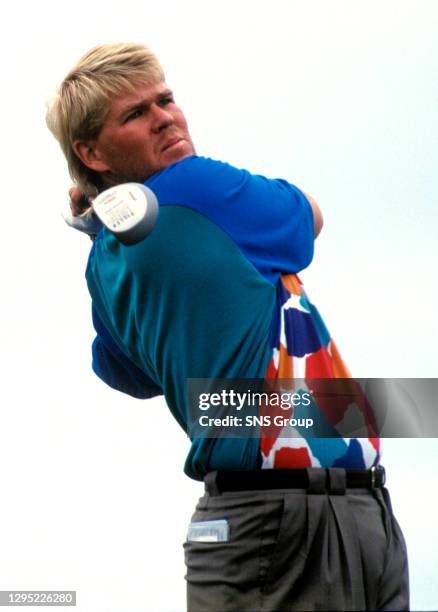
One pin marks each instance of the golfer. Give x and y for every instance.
(287, 522)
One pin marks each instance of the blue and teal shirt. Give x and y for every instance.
(212, 292)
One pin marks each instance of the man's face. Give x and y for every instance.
(143, 133)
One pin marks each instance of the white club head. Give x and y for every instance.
(128, 210)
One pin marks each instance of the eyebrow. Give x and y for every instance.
(144, 103)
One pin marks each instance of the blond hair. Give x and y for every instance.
(78, 109)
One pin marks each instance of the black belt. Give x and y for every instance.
(293, 479)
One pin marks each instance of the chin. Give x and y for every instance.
(178, 152)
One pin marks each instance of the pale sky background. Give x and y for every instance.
(340, 98)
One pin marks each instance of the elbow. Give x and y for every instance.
(318, 220)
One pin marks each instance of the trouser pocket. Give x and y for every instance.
(224, 552)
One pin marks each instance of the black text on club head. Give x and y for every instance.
(128, 210)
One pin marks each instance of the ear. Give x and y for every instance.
(88, 153)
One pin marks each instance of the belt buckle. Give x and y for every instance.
(378, 476)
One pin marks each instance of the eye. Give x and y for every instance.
(165, 101)
(134, 115)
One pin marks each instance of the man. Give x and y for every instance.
(212, 293)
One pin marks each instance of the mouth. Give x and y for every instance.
(172, 143)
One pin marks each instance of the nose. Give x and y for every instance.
(161, 118)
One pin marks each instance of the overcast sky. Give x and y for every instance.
(340, 98)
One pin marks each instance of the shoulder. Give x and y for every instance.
(199, 163)
(197, 179)
(198, 166)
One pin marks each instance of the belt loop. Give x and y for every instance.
(337, 480)
(210, 481)
(378, 476)
(317, 480)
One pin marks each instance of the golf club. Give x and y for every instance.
(129, 211)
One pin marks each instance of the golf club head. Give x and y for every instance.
(129, 211)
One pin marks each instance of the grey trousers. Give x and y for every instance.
(299, 549)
